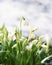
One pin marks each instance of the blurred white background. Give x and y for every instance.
(36, 12)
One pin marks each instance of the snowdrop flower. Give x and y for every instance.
(34, 41)
(21, 38)
(10, 37)
(34, 29)
(31, 35)
(43, 45)
(47, 41)
(29, 47)
(14, 37)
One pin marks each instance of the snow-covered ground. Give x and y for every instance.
(36, 12)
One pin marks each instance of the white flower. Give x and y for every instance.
(43, 45)
(47, 40)
(34, 41)
(29, 46)
(22, 38)
(13, 37)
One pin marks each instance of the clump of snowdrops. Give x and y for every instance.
(33, 50)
